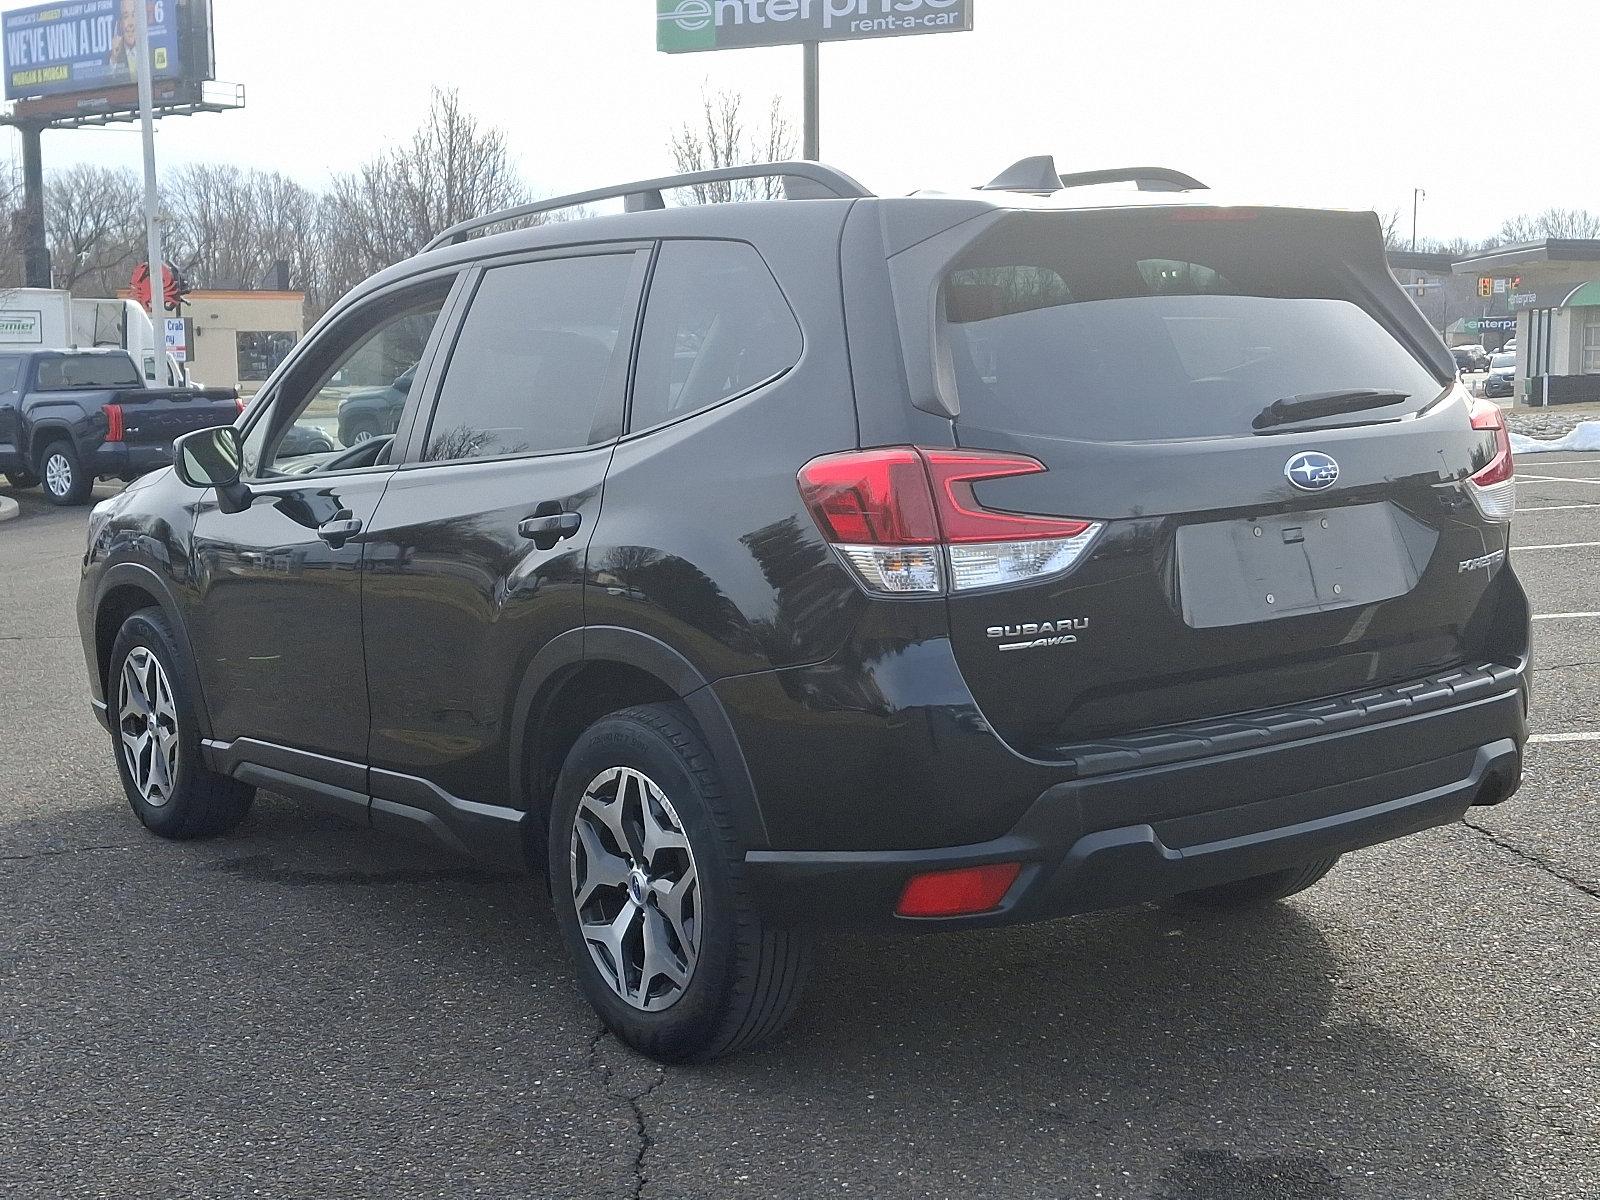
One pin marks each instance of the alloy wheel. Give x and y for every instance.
(58, 474)
(635, 888)
(147, 726)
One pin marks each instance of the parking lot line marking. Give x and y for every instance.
(1552, 479)
(1565, 737)
(1561, 616)
(1557, 507)
(1559, 546)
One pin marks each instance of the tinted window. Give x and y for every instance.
(74, 371)
(716, 325)
(539, 363)
(260, 353)
(1144, 330)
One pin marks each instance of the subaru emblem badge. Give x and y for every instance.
(1312, 471)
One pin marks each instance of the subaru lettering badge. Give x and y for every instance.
(1311, 471)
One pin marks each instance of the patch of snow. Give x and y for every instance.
(1583, 437)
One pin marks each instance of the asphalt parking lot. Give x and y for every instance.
(304, 1009)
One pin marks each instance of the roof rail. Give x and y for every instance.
(1039, 174)
(801, 181)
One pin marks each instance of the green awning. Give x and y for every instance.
(1583, 296)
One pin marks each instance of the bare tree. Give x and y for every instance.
(95, 227)
(1551, 223)
(453, 168)
(13, 222)
(231, 227)
(721, 138)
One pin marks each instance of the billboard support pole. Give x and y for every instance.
(35, 247)
(152, 198)
(813, 107)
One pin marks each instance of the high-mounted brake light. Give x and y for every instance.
(906, 520)
(1493, 488)
(114, 422)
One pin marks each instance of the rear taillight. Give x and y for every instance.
(906, 520)
(1494, 487)
(239, 403)
(114, 422)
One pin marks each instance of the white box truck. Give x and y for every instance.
(51, 319)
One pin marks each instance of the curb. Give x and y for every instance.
(9, 508)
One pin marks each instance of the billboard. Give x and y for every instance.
(78, 46)
(685, 26)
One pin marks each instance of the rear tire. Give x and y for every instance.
(156, 741)
(1258, 889)
(704, 973)
(22, 479)
(65, 480)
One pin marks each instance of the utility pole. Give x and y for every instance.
(35, 249)
(1417, 195)
(813, 103)
(152, 198)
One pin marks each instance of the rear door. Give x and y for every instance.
(1239, 563)
(475, 559)
(12, 457)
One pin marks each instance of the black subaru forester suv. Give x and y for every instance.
(933, 562)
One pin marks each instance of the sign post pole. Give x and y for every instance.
(152, 198)
(35, 249)
(813, 103)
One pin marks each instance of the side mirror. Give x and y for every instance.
(213, 458)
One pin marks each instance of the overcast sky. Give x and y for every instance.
(1346, 103)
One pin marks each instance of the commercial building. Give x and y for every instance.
(1553, 289)
(241, 336)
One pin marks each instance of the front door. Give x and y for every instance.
(476, 559)
(277, 616)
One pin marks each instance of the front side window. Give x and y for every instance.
(260, 354)
(539, 363)
(716, 325)
(346, 375)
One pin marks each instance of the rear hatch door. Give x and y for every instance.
(1244, 560)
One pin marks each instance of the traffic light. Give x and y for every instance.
(1485, 287)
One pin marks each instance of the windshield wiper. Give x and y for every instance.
(1311, 405)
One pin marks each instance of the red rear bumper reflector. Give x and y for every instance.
(957, 893)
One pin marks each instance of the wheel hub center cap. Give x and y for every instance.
(638, 886)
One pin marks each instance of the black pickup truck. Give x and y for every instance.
(69, 417)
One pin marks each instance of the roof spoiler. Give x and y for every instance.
(1039, 175)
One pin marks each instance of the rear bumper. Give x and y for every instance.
(1111, 840)
(121, 460)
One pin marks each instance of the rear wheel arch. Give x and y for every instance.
(582, 676)
(41, 437)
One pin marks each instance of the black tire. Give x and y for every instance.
(199, 802)
(1258, 889)
(749, 975)
(62, 472)
(22, 479)
(359, 431)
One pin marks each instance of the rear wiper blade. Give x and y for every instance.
(1310, 405)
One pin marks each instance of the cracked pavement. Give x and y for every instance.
(308, 1010)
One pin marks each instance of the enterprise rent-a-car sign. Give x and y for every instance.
(687, 25)
(84, 45)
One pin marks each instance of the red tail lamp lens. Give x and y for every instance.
(959, 892)
(1486, 415)
(114, 422)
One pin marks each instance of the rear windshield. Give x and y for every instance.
(1142, 327)
(73, 372)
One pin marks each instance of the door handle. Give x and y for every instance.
(339, 530)
(546, 529)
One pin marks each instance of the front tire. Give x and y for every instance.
(1258, 889)
(156, 741)
(646, 878)
(65, 480)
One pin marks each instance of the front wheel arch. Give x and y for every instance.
(133, 584)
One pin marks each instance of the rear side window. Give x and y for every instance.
(540, 361)
(715, 326)
(1143, 328)
(10, 368)
(71, 372)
